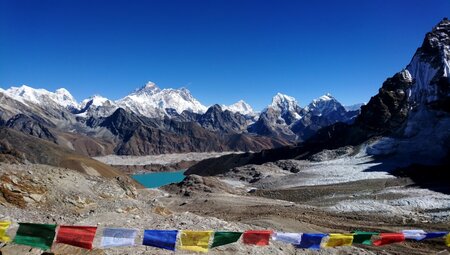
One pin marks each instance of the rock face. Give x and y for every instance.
(389, 108)
(138, 135)
(271, 124)
(430, 69)
(410, 111)
(34, 127)
(216, 119)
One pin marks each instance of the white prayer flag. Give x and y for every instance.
(292, 238)
(415, 234)
(115, 237)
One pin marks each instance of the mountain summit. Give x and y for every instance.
(241, 107)
(151, 101)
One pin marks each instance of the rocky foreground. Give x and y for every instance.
(45, 194)
(250, 197)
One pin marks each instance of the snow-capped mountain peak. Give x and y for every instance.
(241, 107)
(151, 101)
(326, 97)
(150, 88)
(96, 106)
(26, 94)
(94, 101)
(283, 103)
(323, 105)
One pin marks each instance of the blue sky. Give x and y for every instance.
(221, 50)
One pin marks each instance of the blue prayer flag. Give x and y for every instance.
(311, 241)
(165, 239)
(435, 235)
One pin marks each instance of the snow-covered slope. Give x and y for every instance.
(95, 101)
(431, 66)
(241, 107)
(324, 105)
(286, 104)
(96, 106)
(151, 101)
(27, 95)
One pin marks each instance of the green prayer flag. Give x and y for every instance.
(35, 235)
(222, 238)
(361, 237)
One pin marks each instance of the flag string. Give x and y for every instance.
(43, 236)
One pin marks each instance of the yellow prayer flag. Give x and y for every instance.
(339, 240)
(4, 225)
(447, 240)
(194, 240)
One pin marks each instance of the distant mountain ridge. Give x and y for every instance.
(149, 101)
(43, 114)
(151, 120)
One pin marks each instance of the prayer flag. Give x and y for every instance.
(257, 237)
(79, 236)
(35, 235)
(4, 225)
(165, 239)
(292, 238)
(222, 238)
(435, 235)
(362, 237)
(311, 241)
(339, 240)
(447, 240)
(194, 240)
(115, 237)
(388, 238)
(414, 234)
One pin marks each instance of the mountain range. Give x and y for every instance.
(407, 124)
(151, 120)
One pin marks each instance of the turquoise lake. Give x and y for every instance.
(156, 180)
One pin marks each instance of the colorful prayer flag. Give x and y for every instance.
(4, 225)
(414, 234)
(361, 237)
(257, 237)
(435, 235)
(388, 238)
(311, 241)
(35, 235)
(116, 237)
(165, 239)
(339, 240)
(79, 236)
(447, 240)
(292, 238)
(223, 238)
(194, 240)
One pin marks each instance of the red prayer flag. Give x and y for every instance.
(387, 238)
(257, 237)
(79, 236)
